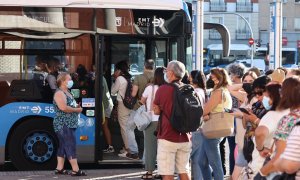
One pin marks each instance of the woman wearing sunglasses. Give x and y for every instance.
(253, 117)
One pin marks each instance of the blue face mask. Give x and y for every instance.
(70, 84)
(265, 103)
(166, 78)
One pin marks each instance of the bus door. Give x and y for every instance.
(134, 50)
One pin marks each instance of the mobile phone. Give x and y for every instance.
(228, 110)
(244, 110)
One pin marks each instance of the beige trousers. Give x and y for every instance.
(123, 116)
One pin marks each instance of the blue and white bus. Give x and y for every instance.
(79, 34)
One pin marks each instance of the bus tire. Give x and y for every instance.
(33, 145)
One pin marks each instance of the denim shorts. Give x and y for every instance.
(67, 143)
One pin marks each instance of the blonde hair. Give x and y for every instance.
(61, 78)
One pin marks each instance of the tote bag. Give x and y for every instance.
(219, 125)
(142, 117)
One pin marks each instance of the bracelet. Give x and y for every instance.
(260, 150)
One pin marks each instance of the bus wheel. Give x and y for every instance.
(33, 145)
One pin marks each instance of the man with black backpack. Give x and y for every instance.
(177, 104)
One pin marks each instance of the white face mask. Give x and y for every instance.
(166, 78)
(70, 84)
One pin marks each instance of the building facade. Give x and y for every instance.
(290, 26)
(233, 14)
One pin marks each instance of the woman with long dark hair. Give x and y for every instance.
(150, 141)
(121, 75)
(243, 92)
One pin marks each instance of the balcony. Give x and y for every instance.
(242, 34)
(244, 7)
(217, 6)
(214, 35)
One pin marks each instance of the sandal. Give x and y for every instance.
(61, 172)
(78, 173)
(147, 176)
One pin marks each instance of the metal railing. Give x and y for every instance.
(241, 34)
(214, 34)
(244, 7)
(217, 6)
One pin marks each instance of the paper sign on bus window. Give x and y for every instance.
(90, 113)
(75, 93)
(88, 102)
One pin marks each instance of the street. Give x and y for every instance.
(93, 174)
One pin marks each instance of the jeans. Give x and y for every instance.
(210, 154)
(132, 144)
(197, 145)
(231, 142)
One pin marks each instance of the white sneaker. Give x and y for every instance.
(123, 154)
(110, 149)
(123, 151)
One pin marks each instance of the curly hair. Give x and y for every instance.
(237, 69)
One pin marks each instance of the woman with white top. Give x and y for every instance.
(290, 95)
(197, 80)
(243, 92)
(264, 133)
(119, 87)
(150, 141)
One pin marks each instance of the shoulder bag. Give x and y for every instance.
(220, 124)
(142, 117)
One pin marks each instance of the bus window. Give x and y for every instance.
(159, 52)
(10, 67)
(133, 51)
(189, 55)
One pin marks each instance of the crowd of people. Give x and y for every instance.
(265, 107)
(257, 148)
